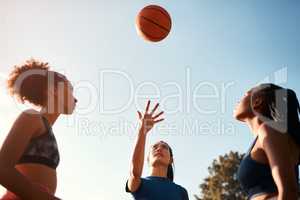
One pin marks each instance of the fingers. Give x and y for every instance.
(154, 109)
(152, 112)
(140, 114)
(159, 120)
(147, 107)
(159, 114)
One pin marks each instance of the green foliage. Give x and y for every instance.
(222, 183)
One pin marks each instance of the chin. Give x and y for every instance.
(68, 111)
(71, 112)
(237, 116)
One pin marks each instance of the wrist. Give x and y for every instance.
(142, 131)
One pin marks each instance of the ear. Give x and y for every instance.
(257, 103)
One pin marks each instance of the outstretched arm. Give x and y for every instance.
(147, 121)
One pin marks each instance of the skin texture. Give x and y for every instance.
(272, 147)
(28, 181)
(159, 157)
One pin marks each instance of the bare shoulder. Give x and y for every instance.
(268, 135)
(30, 120)
(23, 129)
(29, 115)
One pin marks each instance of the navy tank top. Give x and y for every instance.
(159, 188)
(255, 177)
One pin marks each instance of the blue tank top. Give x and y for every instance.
(158, 188)
(255, 177)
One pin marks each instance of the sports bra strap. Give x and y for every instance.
(252, 145)
(46, 123)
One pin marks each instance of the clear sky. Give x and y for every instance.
(216, 50)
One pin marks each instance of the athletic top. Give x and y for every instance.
(256, 178)
(158, 188)
(42, 149)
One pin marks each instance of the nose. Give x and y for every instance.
(158, 150)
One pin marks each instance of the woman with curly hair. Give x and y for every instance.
(29, 155)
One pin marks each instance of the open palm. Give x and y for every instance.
(149, 119)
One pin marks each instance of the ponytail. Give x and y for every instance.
(281, 109)
(170, 173)
(293, 116)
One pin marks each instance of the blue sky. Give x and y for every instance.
(216, 51)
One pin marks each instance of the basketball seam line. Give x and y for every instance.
(162, 12)
(149, 20)
(153, 37)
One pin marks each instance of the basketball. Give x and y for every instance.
(153, 23)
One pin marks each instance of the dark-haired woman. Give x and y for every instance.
(159, 185)
(270, 168)
(29, 155)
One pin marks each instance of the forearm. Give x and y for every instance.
(15, 182)
(137, 161)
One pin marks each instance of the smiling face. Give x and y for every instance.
(160, 154)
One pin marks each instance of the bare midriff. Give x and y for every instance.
(41, 175)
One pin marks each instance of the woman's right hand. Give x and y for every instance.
(148, 120)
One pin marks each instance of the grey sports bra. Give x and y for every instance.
(42, 149)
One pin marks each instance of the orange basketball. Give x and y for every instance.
(153, 23)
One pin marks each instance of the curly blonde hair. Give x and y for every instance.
(29, 82)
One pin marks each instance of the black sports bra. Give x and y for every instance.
(42, 149)
(255, 177)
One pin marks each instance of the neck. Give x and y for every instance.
(254, 124)
(160, 171)
(51, 117)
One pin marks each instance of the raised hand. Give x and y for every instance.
(148, 120)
